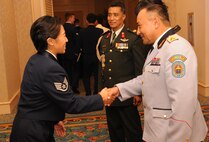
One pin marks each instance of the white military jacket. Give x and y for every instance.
(172, 112)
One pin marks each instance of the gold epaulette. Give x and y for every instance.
(172, 38)
(131, 31)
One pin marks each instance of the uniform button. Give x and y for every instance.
(110, 61)
(110, 78)
(109, 69)
(110, 50)
(142, 82)
(121, 50)
(164, 116)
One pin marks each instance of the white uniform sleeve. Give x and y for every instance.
(130, 88)
(181, 81)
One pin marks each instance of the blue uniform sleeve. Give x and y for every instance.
(56, 86)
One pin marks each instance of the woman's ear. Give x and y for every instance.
(50, 41)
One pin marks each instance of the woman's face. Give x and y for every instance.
(59, 44)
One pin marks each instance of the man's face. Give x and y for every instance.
(115, 18)
(145, 27)
(72, 19)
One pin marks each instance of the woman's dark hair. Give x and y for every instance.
(153, 5)
(43, 28)
(118, 4)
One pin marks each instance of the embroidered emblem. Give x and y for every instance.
(61, 86)
(177, 57)
(178, 66)
(172, 38)
(123, 37)
(121, 45)
(178, 69)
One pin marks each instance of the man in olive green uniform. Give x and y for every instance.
(122, 58)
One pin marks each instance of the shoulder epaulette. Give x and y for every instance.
(106, 34)
(131, 31)
(172, 38)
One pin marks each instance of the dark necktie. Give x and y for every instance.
(113, 38)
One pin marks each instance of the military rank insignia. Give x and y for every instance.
(61, 86)
(172, 38)
(108, 35)
(178, 66)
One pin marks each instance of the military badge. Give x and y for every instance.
(123, 38)
(178, 66)
(61, 86)
(155, 62)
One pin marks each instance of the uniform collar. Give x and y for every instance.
(156, 42)
(48, 54)
(118, 31)
(52, 54)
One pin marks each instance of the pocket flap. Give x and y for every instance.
(161, 113)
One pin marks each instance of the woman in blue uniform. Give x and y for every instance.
(45, 93)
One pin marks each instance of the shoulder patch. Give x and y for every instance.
(178, 66)
(172, 38)
(61, 86)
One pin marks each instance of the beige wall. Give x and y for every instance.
(207, 40)
(206, 82)
(172, 11)
(179, 11)
(16, 17)
(10, 67)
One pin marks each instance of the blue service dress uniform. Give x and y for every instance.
(124, 60)
(45, 98)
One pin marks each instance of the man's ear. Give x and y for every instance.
(156, 21)
(50, 41)
(124, 17)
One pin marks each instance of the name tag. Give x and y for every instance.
(153, 69)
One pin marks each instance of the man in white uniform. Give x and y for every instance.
(172, 112)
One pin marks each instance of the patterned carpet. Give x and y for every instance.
(88, 127)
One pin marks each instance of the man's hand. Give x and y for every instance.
(137, 100)
(60, 129)
(108, 95)
(114, 91)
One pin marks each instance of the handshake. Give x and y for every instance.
(109, 94)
